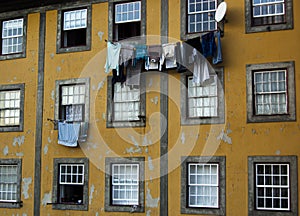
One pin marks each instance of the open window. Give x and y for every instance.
(70, 189)
(74, 30)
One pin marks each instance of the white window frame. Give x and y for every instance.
(10, 107)
(272, 186)
(210, 13)
(75, 16)
(7, 185)
(122, 12)
(71, 174)
(210, 185)
(13, 26)
(261, 94)
(259, 4)
(128, 185)
(126, 102)
(210, 93)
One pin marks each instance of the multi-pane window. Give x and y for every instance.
(12, 36)
(127, 20)
(75, 19)
(70, 184)
(126, 103)
(125, 184)
(128, 12)
(74, 29)
(201, 15)
(202, 99)
(263, 8)
(71, 181)
(272, 186)
(73, 102)
(8, 183)
(270, 91)
(10, 107)
(203, 185)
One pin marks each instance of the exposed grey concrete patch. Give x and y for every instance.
(46, 149)
(19, 140)
(46, 199)
(154, 100)
(93, 87)
(146, 150)
(49, 140)
(100, 35)
(5, 150)
(150, 82)
(100, 85)
(91, 194)
(58, 69)
(134, 142)
(108, 152)
(52, 95)
(24, 214)
(148, 213)
(28, 132)
(282, 128)
(224, 136)
(103, 116)
(32, 69)
(19, 154)
(278, 152)
(151, 202)
(182, 137)
(62, 61)
(132, 150)
(97, 214)
(52, 55)
(150, 164)
(253, 131)
(25, 187)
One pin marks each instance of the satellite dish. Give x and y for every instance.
(220, 12)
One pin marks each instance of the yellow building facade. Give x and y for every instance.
(167, 146)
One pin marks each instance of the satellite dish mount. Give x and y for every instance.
(220, 16)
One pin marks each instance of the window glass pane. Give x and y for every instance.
(8, 182)
(69, 174)
(128, 12)
(76, 19)
(12, 33)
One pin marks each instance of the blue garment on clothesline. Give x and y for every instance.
(208, 44)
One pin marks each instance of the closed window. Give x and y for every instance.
(13, 38)
(201, 15)
(203, 185)
(203, 99)
(125, 104)
(267, 15)
(272, 185)
(124, 184)
(11, 107)
(202, 103)
(71, 184)
(74, 30)
(10, 178)
(270, 92)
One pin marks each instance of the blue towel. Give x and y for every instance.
(208, 44)
(68, 134)
(140, 51)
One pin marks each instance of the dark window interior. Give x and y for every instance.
(123, 31)
(72, 194)
(76, 37)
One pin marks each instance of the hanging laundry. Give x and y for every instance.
(140, 51)
(68, 134)
(201, 68)
(83, 133)
(153, 57)
(208, 44)
(168, 52)
(112, 57)
(133, 74)
(126, 53)
(181, 59)
(218, 53)
(119, 77)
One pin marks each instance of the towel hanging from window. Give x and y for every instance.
(68, 134)
(112, 57)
